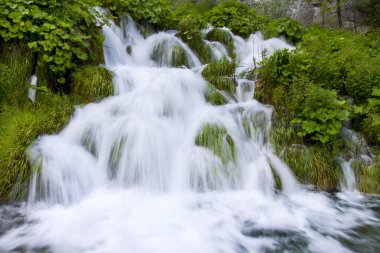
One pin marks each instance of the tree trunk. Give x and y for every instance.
(339, 13)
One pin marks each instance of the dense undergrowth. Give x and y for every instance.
(331, 80)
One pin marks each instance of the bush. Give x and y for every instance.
(154, 12)
(61, 32)
(287, 27)
(322, 115)
(92, 83)
(239, 18)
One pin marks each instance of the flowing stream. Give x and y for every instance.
(126, 175)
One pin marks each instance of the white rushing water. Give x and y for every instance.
(125, 175)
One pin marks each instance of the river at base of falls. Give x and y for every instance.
(126, 175)
(115, 221)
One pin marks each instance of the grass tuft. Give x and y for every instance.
(220, 74)
(216, 138)
(92, 83)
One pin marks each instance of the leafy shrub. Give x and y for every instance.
(154, 12)
(239, 18)
(371, 113)
(322, 115)
(92, 83)
(61, 32)
(287, 27)
(343, 61)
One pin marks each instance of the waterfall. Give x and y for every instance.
(155, 168)
(357, 153)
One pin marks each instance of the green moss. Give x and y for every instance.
(223, 37)
(179, 57)
(194, 39)
(19, 128)
(256, 122)
(214, 97)
(173, 55)
(216, 138)
(221, 75)
(92, 83)
(16, 66)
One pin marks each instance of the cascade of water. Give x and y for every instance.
(156, 168)
(356, 152)
(31, 91)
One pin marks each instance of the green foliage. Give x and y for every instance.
(343, 61)
(371, 113)
(313, 165)
(221, 75)
(61, 32)
(287, 27)
(16, 65)
(194, 39)
(154, 12)
(19, 127)
(165, 53)
(214, 97)
(239, 18)
(369, 178)
(216, 138)
(225, 38)
(92, 83)
(322, 115)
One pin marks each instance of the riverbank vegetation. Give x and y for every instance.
(330, 81)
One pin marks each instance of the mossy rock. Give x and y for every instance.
(179, 57)
(255, 124)
(196, 43)
(216, 139)
(19, 128)
(214, 97)
(223, 37)
(221, 75)
(92, 83)
(313, 165)
(169, 55)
